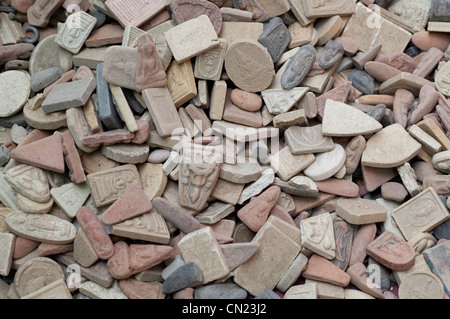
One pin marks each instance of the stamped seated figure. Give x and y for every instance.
(150, 70)
(195, 179)
(299, 66)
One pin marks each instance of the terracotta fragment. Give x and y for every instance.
(128, 260)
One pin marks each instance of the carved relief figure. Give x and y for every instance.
(176, 81)
(134, 12)
(37, 9)
(440, 185)
(196, 179)
(319, 8)
(248, 66)
(354, 151)
(40, 226)
(199, 171)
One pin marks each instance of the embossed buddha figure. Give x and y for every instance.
(249, 66)
(29, 181)
(96, 232)
(423, 213)
(263, 206)
(162, 47)
(119, 263)
(391, 247)
(330, 54)
(317, 232)
(299, 66)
